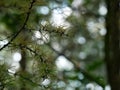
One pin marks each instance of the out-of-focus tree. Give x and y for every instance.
(112, 43)
(59, 45)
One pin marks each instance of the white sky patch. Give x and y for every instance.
(76, 3)
(107, 87)
(90, 86)
(37, 34)
(103, 10)
(14, 67)
(56, 46)
(43, 22)
(3, 42)
(81, 40)
(67, 11)
(43, 10)
(98, 87)
(11, 71)
(41, 37)
(102, 31)
(63, 64)
(59, 15)
(17, 57)
(96, 27)
(57, 18)
(46, 82)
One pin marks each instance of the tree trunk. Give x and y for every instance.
(112, 41)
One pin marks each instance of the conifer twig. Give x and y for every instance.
(23, 26)
(78, 68)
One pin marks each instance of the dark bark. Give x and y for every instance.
(112, 47)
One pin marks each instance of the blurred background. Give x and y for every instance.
(52, 45)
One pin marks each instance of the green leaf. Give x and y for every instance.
(70, 1)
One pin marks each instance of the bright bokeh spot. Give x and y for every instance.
(91, 26)
(17, 57)
(14, 67)
(102, 10)
(80, 76)
(81, 40)
(59, 16)
(46, 82)
(90, 86)
(66, 11)
(41, 37)
(3, 42)
(11, 71)
(69, 88)
(43, 10)
(63, 64)
(107, 87)
(37, 34)
(76, 3)
(56, 46)
(98, 87)
(102, 32)
(82, 55)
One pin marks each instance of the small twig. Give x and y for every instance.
(27, 79)
(31, 50)
(25, 22)
(41, 58)
(77, 67)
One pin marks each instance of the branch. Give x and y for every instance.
(31, 50)
(41, 58)
(23, 26)
(27, 79)
(77, 67)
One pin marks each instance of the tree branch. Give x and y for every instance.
(77, 67)
(31, 50)
(27, 79)
(23, 26)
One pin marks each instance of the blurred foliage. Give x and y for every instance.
(81, 43)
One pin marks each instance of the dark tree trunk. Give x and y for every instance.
(112, 44)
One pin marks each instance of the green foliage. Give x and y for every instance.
(12, 21)
(71, 1)
(41, 43)
(6, 79)
(95, 65)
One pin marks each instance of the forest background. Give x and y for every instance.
(59, 45)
